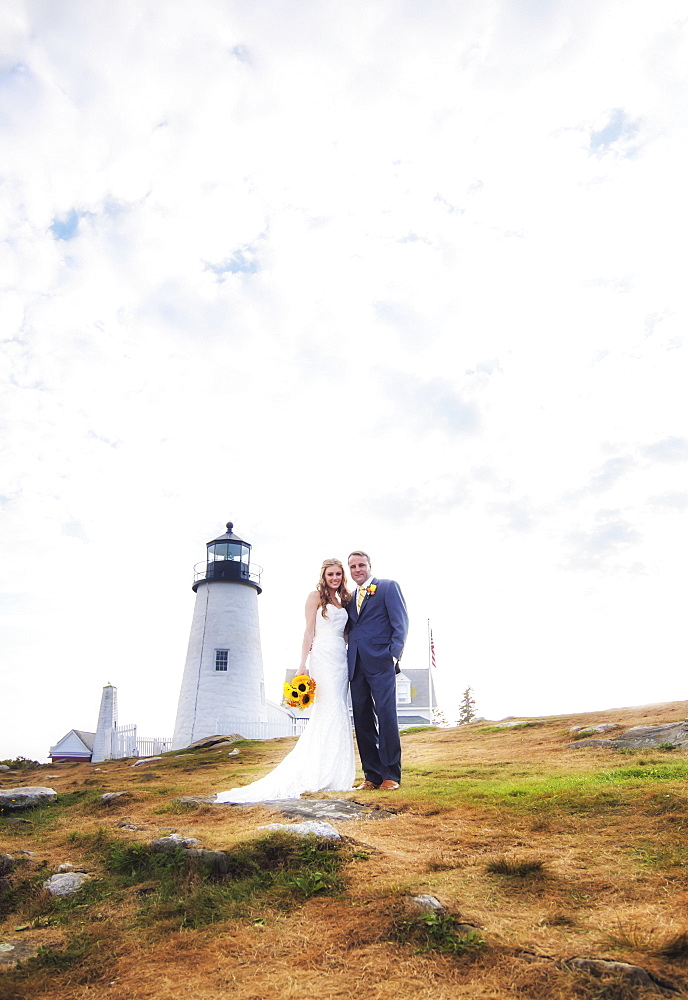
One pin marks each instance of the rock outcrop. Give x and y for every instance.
(25, 798)
(643, 737)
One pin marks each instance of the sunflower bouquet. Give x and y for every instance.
(300, 691)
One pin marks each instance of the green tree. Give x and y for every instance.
(467, 707)
(439, 718)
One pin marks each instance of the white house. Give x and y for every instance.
(76, 746)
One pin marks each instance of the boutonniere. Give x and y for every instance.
(371, 589)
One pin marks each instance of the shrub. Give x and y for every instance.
(516, 868)
(20, 763)
(437, 931)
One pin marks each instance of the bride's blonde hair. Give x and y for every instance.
(324, 591)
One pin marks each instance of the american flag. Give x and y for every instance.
(432, 648)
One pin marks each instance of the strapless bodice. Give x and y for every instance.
(333, 625)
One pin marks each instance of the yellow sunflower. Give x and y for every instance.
(299, 692)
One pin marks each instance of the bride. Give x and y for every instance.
(323, 757)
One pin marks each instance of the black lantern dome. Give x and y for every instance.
(228, 560)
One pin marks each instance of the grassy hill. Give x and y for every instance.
(550, 852)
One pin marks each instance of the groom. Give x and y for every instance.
(378, 624)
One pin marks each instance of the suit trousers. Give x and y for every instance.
(374, 701)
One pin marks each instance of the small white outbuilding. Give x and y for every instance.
(75, 746)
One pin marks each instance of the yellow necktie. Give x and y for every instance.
(359, 599)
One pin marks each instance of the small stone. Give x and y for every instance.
(65, 884)
(214, 861)
(428, 902)
(19, 949)
(128, 824)
(319, 829)
(7, 863)
(109, 797)
(4, 767)
(234, 752)
(166, 845)
(66, 867)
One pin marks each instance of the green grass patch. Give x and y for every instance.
(59, 959)
(23, 889)
(648, 771)
(94, 841)
(85, 959)
(613, 789)
(437, 931)
(276, 871)
(46, 815)
(669, 858)
(179, 808)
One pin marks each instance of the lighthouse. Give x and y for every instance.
(222, 686)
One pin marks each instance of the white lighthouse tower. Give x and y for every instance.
(223, 677)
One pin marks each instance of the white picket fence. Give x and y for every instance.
(123, 742)
(257, 729)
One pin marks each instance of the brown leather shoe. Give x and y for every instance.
(367, 786)
(389, 786)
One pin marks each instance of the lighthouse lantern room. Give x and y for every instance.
(222, 683)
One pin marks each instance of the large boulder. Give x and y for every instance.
(25, 798)
(209, 742)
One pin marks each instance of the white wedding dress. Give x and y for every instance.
(323, 757)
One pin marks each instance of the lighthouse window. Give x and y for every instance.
(232, 551)
(221, 659)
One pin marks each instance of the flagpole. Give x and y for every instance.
(430, 666)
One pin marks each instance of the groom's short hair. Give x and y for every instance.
(358, 552)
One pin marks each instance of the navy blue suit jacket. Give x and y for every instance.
(377, 635)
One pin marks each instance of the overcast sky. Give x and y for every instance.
(409, 277)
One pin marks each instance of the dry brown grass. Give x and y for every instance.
(611, 881)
